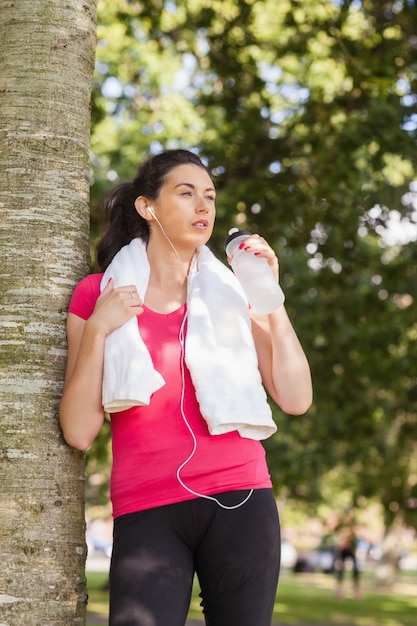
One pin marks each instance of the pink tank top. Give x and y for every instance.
(162, 450)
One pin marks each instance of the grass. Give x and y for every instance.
(98, 596)
(304, 600)
(310, 600)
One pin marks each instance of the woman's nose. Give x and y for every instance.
(203, 205)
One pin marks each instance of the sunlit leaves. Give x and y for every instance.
(307, 113)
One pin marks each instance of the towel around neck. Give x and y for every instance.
(219, 348)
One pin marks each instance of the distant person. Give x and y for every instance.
(346, 553)
(164, 340)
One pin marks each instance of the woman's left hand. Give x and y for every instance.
(257, 245)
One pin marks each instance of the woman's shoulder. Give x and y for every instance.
(84, 296)
(91, 281)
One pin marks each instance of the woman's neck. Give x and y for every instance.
(167, 287)
(168, 265)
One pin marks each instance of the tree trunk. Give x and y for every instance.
(386, 571)
(47, 58)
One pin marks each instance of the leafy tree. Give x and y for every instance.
(47, 52)
(306, 112)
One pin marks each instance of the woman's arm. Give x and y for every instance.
(81, 411)
(283, 365)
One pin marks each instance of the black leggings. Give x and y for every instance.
(235, 553)
(342, 556)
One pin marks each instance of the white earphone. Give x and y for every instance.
(151, 210)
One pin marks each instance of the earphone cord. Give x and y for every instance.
(182, 364)
(195, 493)
(167, 238)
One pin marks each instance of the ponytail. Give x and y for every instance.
(124, 224)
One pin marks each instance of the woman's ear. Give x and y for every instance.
(142, 206)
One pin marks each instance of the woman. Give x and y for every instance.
(165, 342)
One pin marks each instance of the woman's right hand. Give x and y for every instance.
(114, 307)
(81, 411)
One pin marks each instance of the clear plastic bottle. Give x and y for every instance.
(254, 274)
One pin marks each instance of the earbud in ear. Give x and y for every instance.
(150, 210)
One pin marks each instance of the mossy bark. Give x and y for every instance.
(47, 53)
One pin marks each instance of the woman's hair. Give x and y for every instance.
(124, 222)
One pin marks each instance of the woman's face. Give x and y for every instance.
(185, 206)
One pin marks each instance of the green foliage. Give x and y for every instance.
(306, 112)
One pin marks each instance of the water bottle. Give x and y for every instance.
(254, 274)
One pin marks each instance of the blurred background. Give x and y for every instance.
(306, 114)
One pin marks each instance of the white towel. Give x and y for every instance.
(220, 352)
(219, 347)
(129, 377)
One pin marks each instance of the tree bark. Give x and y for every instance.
(47, 53)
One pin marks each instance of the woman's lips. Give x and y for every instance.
(201, 224)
